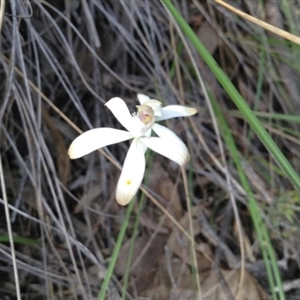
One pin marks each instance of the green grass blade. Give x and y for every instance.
(260, 229)
(235, 96)
(131, 249)
(149, 160)
(116, 251)
(19, 240)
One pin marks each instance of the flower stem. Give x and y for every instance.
(194, 256)
(116, 251)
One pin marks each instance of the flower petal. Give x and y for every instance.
(147, 134)
(168, 145)
(142, 98)
(167, 134)
(132, 173)
(137, 127)
(120, 110)
(155, 105)
(96, 138)
(173, 111)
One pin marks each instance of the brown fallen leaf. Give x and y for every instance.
(173, 280)
(148, 262)
(152, 225)
(208, 36)
(161, 184)
(62, 158)
(212, 286)
(180, 245)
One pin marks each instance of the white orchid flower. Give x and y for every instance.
(139, 126)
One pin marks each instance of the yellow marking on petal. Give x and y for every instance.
(128, 182)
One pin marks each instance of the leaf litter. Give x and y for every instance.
(74, 56)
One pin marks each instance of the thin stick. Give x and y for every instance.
(2, 7)
(265, 25)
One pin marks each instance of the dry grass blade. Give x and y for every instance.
(2, 8)
(10, 234)
(60, 62)
(285, 34)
